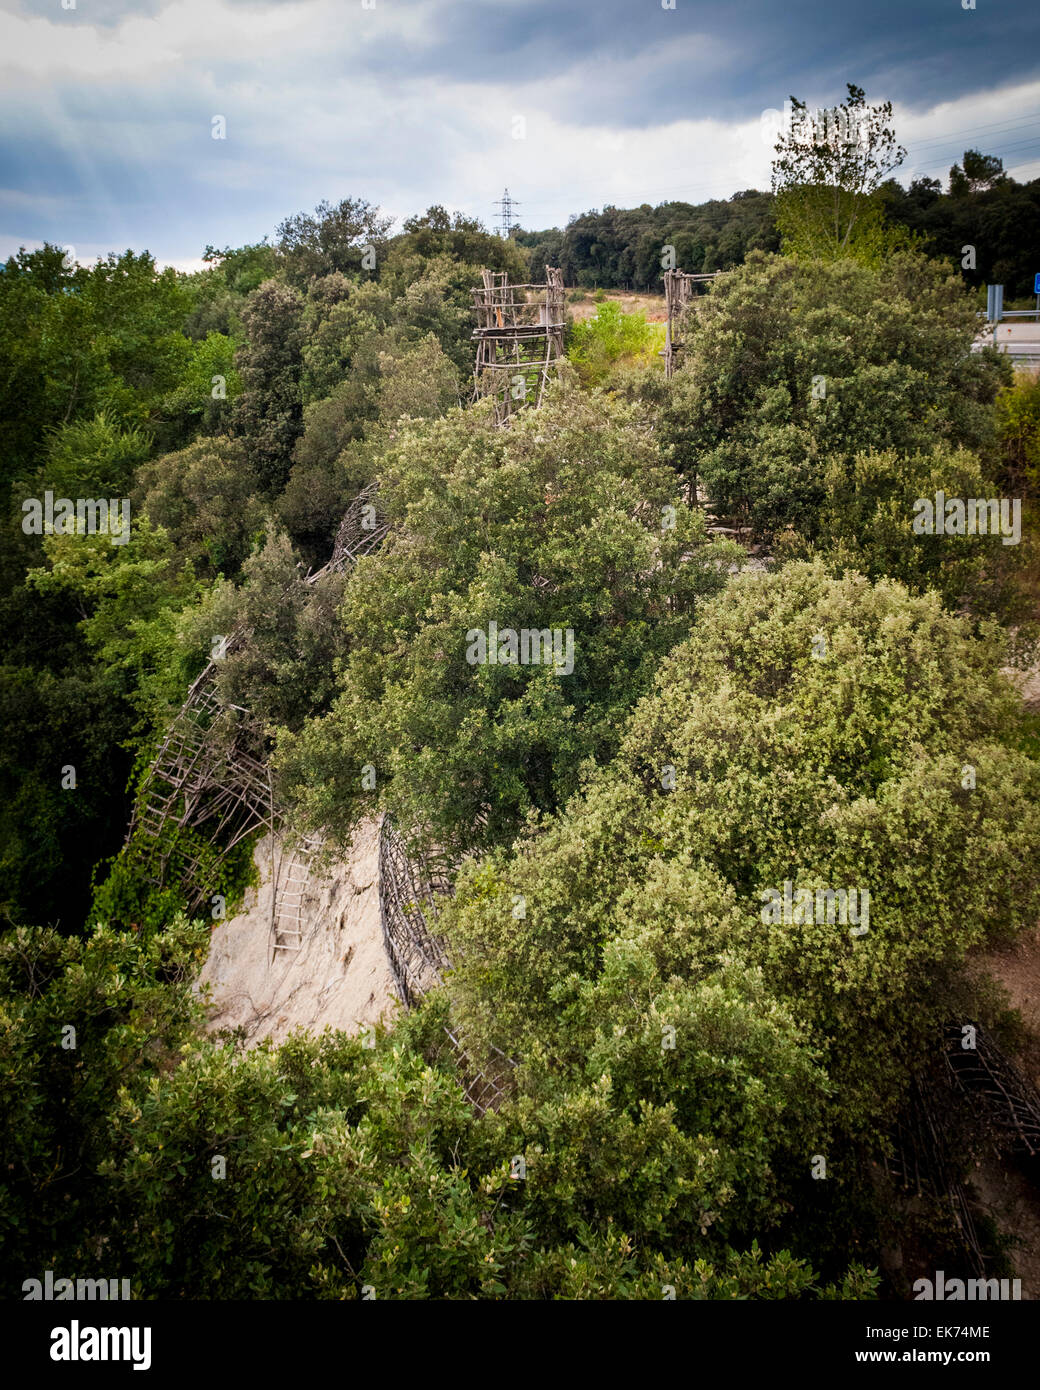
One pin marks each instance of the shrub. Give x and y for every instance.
(612, 337)
(790, 364)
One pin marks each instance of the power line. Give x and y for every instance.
(977, 130)
(945, 141)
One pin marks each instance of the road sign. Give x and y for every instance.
(1036, 284)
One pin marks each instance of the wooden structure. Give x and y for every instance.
(408, 893)
(927, 1157)
(922, 1166)
(1008, 1098)
(678, 291)
(209, 785)
(417, 955)
(519, 338)
(290, 894)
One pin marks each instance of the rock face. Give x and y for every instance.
(339, 978)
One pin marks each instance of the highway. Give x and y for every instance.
(1020, 339)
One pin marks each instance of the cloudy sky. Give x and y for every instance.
(109, 107)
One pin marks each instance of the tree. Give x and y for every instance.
(790, 363)
(77, 341)
(979, 173)
(867, 522)
(811, 730)
(79, 1020)
(206, 499)
(1018, 415)
(93, 458)
(827, 169)
(269, 411)
(197, 1167)
(330, 239)
(562, 523)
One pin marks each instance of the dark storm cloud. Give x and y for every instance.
(106, 109)
(757, 52)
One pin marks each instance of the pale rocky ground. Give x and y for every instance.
(338, 979)
(1028, 683)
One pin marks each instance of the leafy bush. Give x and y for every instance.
(756, 761)
(1018, 420)
(206, 498)
(599, 343)
(790, 364)
(320, 1166)
(867, 517)
(561, 522)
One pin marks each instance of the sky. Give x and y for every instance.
(109, 109)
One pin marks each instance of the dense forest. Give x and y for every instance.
(777, 680)
(981, 207)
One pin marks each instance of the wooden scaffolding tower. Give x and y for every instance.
(678, 291)
(211, 778)
(519, 337)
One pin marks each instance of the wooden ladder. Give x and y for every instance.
(290, 895)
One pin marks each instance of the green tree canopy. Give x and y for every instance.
(789, 364)
(569, 520)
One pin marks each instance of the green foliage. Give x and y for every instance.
(282, 668)
(866, 524)
(643, 904)
(269, 410)
(647, 1165)
(128, 599)
(331, 239)
(611, 337)
(339, 317)
(890, 348)
(205, 497)
(129, 999)
(622, 248)
(93, 458)
(1018, 420)
(193, 407)
(830, 224)
(91, 658)
(980, 172)
(828, 167)
(318, 1167)
(992, 222)
(464, 240)
(557, 523)
(77, 341)
(126, 896)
